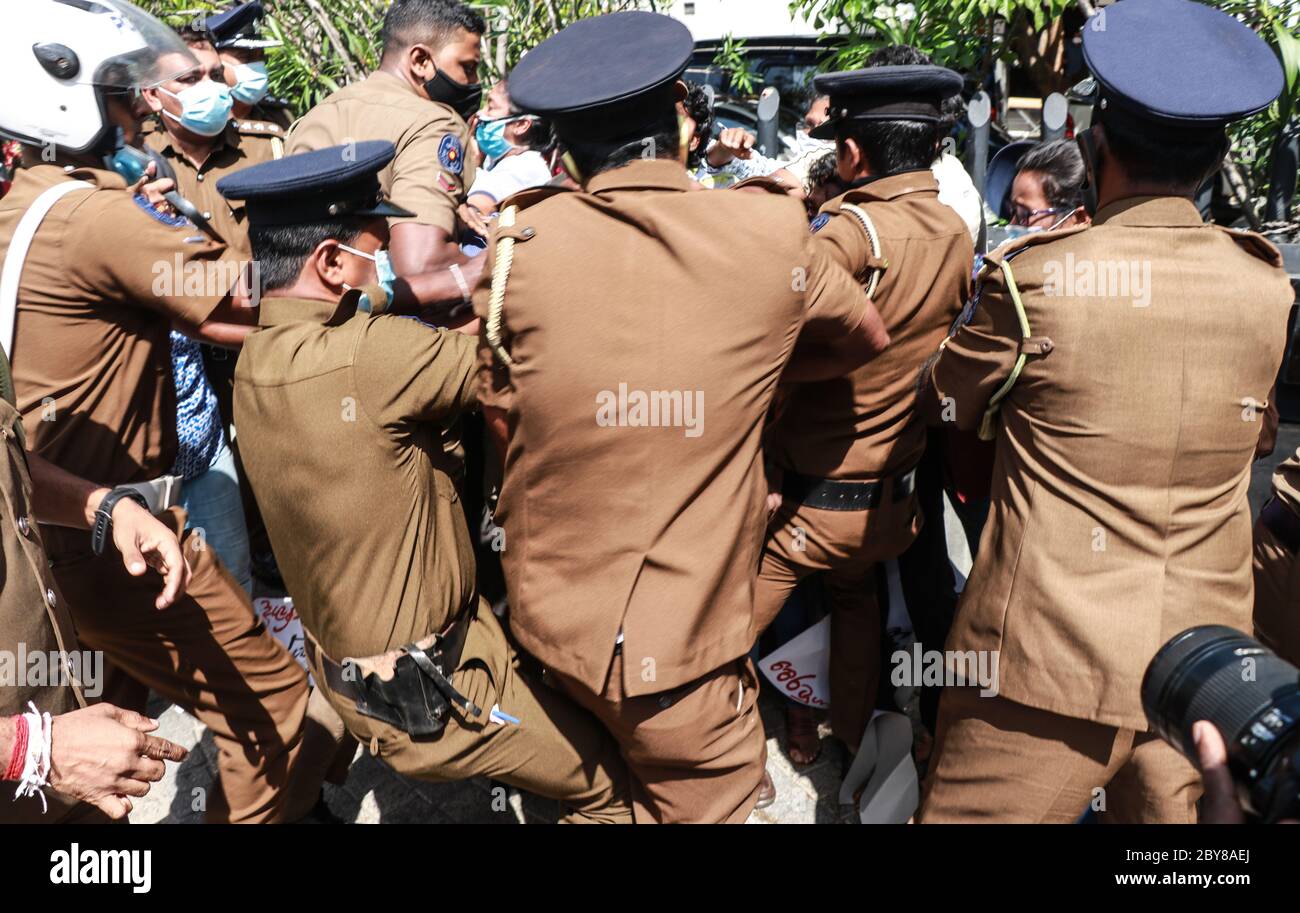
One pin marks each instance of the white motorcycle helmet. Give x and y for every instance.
(60, 58)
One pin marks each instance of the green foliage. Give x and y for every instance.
(518, 26)
(329, 43)
(955, 33)
(731, 60)
(1254, 139)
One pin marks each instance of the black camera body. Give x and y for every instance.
(1251, 695)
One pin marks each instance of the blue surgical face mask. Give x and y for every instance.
(205, 107)
(383, 267)
(252, 83)
(491, 136)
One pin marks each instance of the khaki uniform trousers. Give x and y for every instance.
(696, 754)
(1277, 595)
(847, 547)
(999, 762)
(557, 750)
(209, 654)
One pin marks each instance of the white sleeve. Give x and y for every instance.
(511, 175)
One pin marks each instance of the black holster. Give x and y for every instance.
(418, 698)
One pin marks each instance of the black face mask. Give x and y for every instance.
(461, 97)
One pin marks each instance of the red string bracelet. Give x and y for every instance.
(18, 760)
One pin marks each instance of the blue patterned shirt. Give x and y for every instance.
(198, 421)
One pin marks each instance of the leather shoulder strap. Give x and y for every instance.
(16, 258)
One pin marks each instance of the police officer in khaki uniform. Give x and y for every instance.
(262, 120)
(103, 277)
(1125, 399)
(419, 99)
(1277, 568)
(846, 449)
(200, 153)
(339, 406)
(201, 143)
(123, 758)
(627, 379)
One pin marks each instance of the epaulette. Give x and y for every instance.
(1255, 244)
(258, 128)
(761, 184)
(525, 199)
(1017, 246)
(1031, 346)
(851, 207)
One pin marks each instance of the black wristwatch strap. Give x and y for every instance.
(103, 531)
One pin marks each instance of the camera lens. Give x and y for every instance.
(1218, 674)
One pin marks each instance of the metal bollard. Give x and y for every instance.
(769, 106)
(979, 111)
(1056, 111)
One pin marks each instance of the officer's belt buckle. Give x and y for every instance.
(846, 495)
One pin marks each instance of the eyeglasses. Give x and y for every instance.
(1022, 216)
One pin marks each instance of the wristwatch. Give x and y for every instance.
(103, 530)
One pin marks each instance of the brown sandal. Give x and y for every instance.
(802, 743)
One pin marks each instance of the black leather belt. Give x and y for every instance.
(417, 699)
(1283, 523)
(837, 494)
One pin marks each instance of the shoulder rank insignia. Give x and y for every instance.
(820, 222)
(175, 220)
(451, 155)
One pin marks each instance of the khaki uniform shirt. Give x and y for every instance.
(1120, 514)
(33, 618)
(433, 166)
(105, 277)
(863, 426)
(649, 325)
(234, 151)
(339, 419)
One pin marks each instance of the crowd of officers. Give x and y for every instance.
(671, 406)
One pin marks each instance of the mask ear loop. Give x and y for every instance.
(1057, 224)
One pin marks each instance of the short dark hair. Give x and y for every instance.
(195, 37)
(541, 135)
(896, 145)
(700, 109)
(1149, 157)
(892, 146)
(409, 22)
(661, 140)
(282, 250)
(1060, 163)
(898, 55)
(822, 169)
